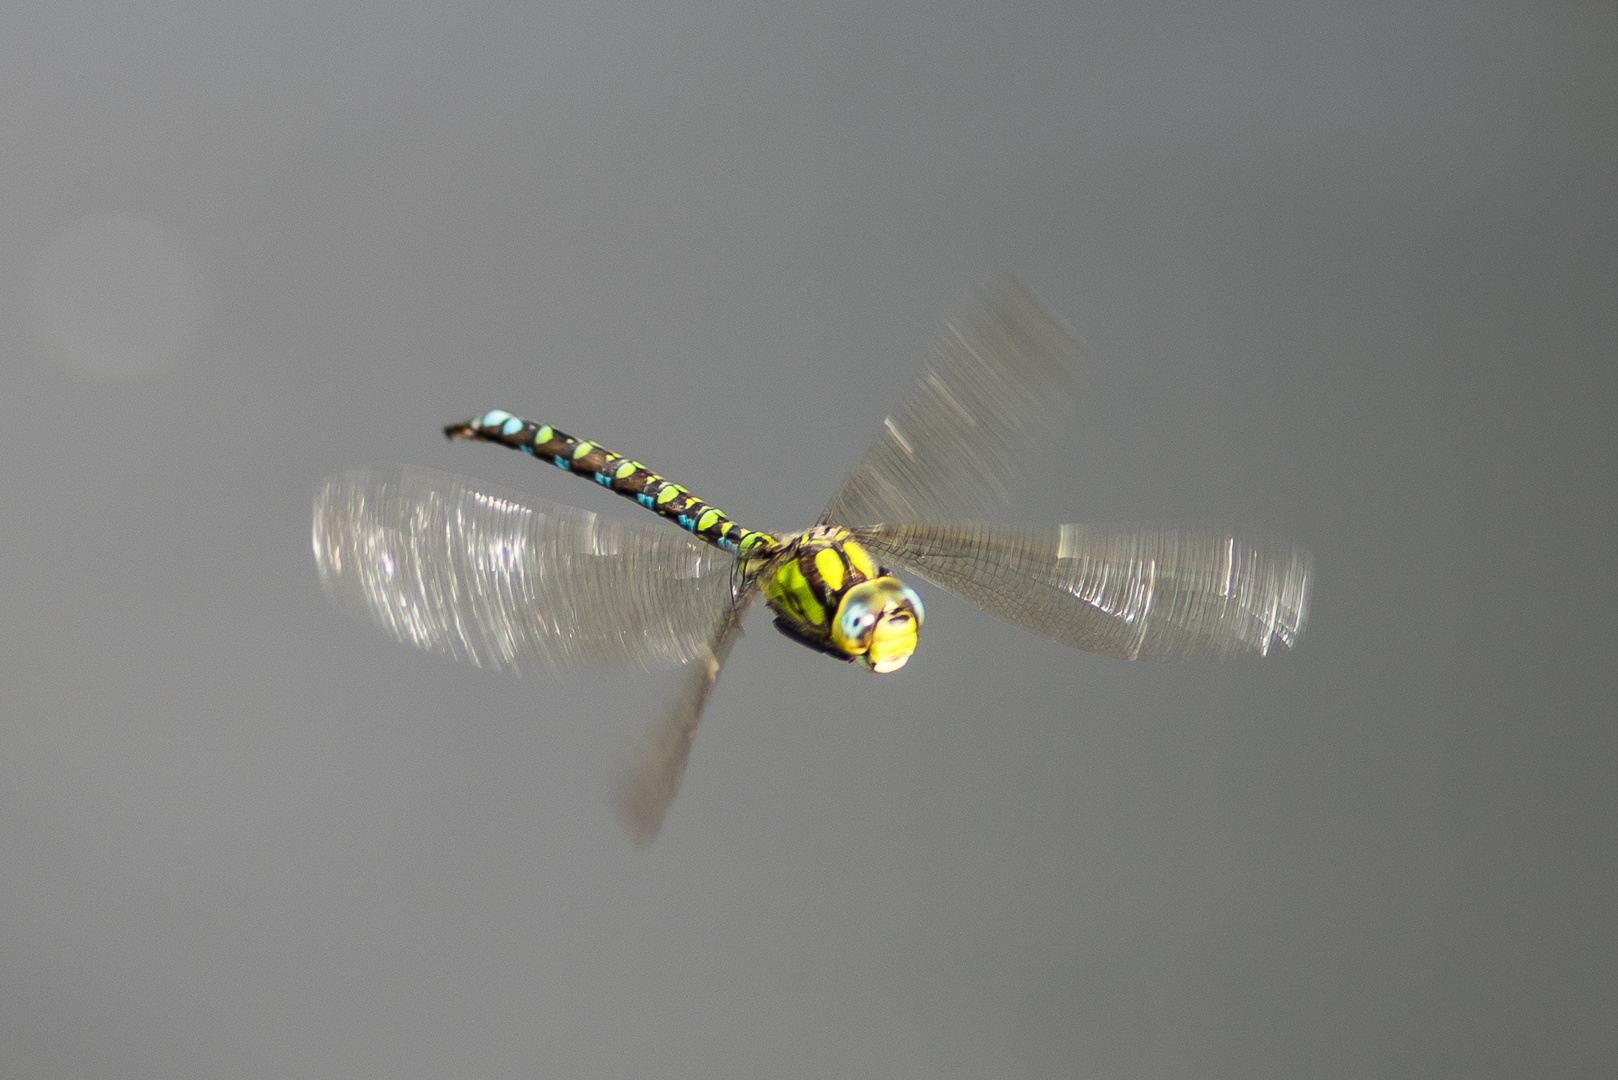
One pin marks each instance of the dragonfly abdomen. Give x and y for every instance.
(617, 473)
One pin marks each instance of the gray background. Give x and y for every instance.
(1349, 275)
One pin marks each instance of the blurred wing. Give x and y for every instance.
(994, 386)
(511, 582)
(653, 779)
(1137, 592)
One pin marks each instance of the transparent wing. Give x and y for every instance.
(1137, 592)
(653, 779)
(995, 384)
(510, 582)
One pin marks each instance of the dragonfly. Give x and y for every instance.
(511, 582)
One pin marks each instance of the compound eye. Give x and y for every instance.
(855, 621)
(915, 605)
(877, 624)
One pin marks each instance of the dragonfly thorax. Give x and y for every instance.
(827, 592)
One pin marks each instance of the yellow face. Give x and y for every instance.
(877, 624)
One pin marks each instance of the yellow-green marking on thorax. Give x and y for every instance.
(828, 592)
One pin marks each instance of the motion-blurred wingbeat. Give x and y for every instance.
(512, 582)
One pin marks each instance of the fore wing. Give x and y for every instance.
(511, 582)
(996, 383)
(653, 779)
(1137, 592)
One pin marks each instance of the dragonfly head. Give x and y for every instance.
(877, 622)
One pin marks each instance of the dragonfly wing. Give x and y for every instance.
(1137, 592)
(511, 582)
(995, 383)
(653, 779)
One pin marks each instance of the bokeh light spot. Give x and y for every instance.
(117, 296)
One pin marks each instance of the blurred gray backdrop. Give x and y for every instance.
(1350, 274)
